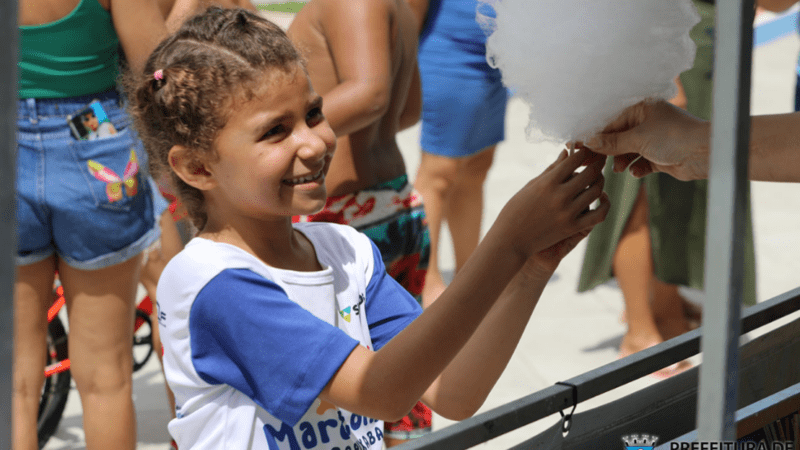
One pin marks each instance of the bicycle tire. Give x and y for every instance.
(142, 340)
(56, 387)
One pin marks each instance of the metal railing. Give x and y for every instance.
(562, 397)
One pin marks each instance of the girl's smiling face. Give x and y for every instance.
(273, 152)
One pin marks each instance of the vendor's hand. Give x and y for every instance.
(669, 140)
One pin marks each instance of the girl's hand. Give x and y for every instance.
(542, 265)
(553, 207)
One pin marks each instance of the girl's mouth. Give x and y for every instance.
(306, 179)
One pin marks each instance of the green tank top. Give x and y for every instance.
(75, 55)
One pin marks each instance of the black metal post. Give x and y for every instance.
(8, 174)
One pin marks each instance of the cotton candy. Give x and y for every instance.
(579, 63)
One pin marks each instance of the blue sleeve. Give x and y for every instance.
(246, 333)
(390, 308)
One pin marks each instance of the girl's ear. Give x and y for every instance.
(190, 170)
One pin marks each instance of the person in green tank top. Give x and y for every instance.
(86, 209)
(653, 239)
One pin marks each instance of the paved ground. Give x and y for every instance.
(569, 333)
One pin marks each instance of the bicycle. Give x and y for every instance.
(58, 380)
(57, 376)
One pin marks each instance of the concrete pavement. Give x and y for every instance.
(569, 333)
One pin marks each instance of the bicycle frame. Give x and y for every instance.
(143, 311)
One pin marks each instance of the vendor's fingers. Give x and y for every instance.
(621, 162)
(641, 168)
(597, 141)
(630, 117)
(616, 143)
(594, 216)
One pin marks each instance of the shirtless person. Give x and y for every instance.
(177, 11)
(362, 61)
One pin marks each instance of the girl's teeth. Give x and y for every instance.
(304, 180)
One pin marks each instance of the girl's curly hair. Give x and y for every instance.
(191, 81)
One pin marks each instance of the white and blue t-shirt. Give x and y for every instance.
(248, 347)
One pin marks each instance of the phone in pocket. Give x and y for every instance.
(91, 123)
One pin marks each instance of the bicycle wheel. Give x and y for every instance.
(142, 340)
(56, 387)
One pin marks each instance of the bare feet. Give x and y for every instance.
(434, 286)
(669, 329)
(672, 370)
(631, 344)
(692, 311)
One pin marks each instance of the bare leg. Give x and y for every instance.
(464, 204)
(435, 176)
(633, 268)
(100, 305)
(156, 261)
(33, 295)
(669, 310)
(452, 190)
(692, 312)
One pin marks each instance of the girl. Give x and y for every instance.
(278, 334)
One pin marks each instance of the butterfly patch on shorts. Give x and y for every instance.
(115, 183)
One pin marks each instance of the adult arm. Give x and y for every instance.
(413, 108)
(140, 27)
(180, 10)
(775, 147)
(675, 142)
(358, 33)
(420, 9)
(775, 5)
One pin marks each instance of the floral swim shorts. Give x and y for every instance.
(392, 215)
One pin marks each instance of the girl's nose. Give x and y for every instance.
(316, 142)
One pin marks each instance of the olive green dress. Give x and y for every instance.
(677, 209)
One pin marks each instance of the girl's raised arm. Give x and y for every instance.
(549, 210)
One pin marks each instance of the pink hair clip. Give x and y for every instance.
(158, 74)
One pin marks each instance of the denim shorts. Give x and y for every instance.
(91, 202)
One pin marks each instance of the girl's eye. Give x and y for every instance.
(314, 116)
(274, 131)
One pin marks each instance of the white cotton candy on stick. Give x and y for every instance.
(579, 63)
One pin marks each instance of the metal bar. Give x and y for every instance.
(725, 230)
(756, 415)
(503, 419)
(8, 175)
(765, 411)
